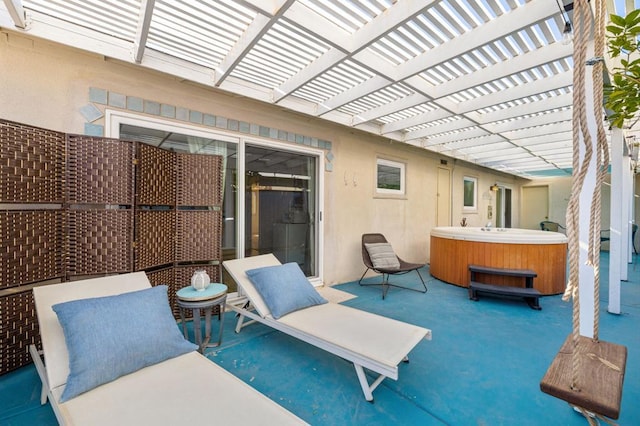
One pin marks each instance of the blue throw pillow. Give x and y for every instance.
(108, 337)
(284, 288)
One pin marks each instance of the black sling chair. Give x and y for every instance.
(405, 267)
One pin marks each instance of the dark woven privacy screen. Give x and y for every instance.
(166, 182)
(100, 241)
(31, 164)
(85, 206)
(195, 239)
(18, 329)
(100, 170)
(32, 246)
(155, 238)
(156, 180)
(199, 179)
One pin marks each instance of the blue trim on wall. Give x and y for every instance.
(136, 104)
(551, 173)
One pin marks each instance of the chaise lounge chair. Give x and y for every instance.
(186, 389)
(368, 340)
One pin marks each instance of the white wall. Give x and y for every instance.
(486, 197)
(46, 85)
(559, 193)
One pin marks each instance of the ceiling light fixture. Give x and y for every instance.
(567, 33)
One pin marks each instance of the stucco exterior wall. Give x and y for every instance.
(46, 85)
(559, 193)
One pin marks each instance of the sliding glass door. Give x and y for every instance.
(271, 190)
(281, 205)
(503, 207)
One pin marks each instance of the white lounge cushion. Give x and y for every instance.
(368, 340)
(187, 390)
(182, 390)
(358, 331)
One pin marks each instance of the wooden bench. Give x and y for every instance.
(529, 293)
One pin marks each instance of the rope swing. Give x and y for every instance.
(587, 373)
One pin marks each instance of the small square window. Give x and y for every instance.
(470, 193)
(390, 177)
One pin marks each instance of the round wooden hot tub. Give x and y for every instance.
(453, 249)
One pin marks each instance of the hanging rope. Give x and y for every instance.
(581, 132)
(603, 393)
(602, 157)
(592, 418)
(595, 396)
(580, 169)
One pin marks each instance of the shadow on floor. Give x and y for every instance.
(483, 366)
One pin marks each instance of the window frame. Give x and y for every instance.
(402, 167)
(474, 193)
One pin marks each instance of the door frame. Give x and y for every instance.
(319, 228)
(523, 197)
(501, 212)
(439, 198)
(114, 118)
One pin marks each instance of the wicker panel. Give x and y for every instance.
(31, 164)
(100, 241)
(155, 234)
(156, 176)
(18, 329)
(167, 276)
(32, 246)
(198, 236)
(199, 180)
(100, 170)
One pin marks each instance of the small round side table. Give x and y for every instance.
(207, 299)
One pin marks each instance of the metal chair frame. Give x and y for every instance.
(405, 267)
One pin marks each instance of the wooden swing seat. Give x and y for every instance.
(599, 380)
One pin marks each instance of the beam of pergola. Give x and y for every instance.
(493, 140)
(345, 45)
(494, 30)
(515, 65)
(252, 35)
(517, 92)
(512, 66)
(17, 13)
(451, 77)
(548, 103)
(142, 32)
(548, 84)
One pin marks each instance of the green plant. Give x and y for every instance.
(623, 94)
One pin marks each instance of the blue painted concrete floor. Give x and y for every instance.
(483, 366)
